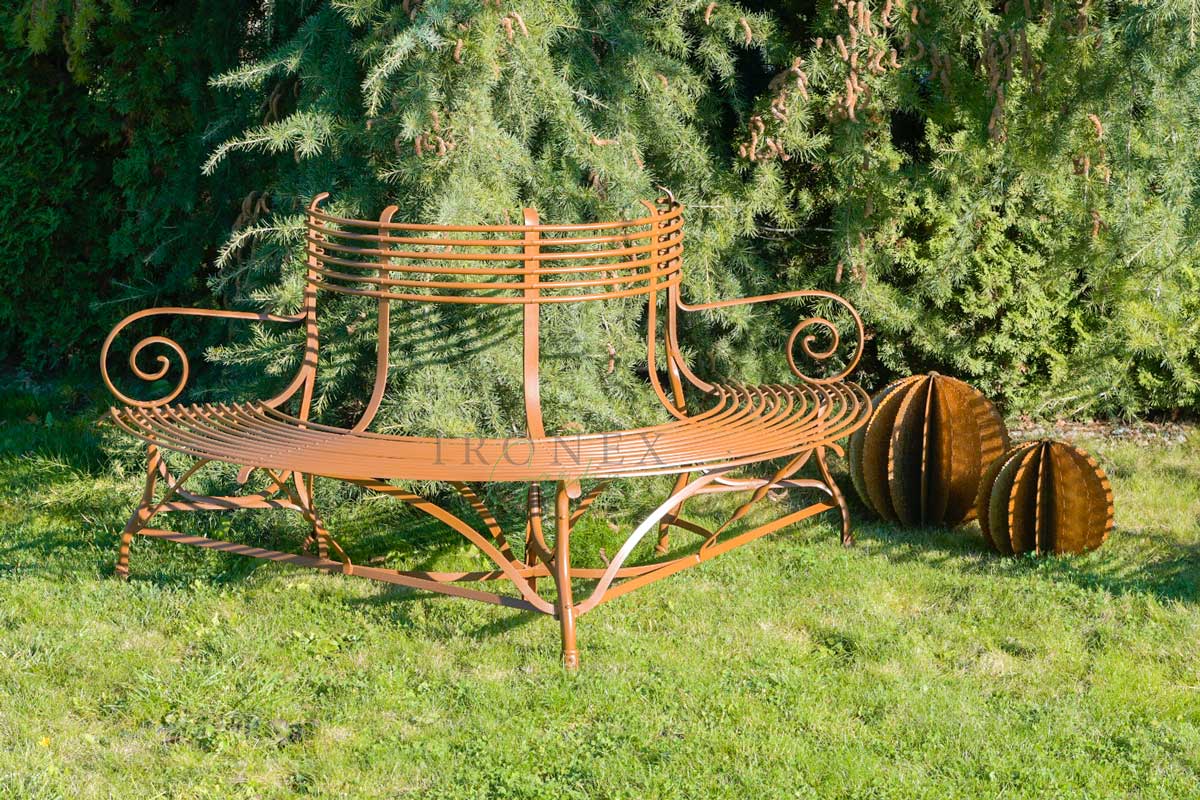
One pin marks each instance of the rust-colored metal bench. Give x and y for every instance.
(525, 265)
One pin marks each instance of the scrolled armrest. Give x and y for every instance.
(164, 363)
(809, 339)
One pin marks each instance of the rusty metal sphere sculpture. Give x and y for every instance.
(920, 457)
(1045, 497)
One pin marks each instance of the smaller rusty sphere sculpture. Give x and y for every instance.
(1045, 497)
(919, 459)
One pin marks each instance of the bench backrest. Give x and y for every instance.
(528, 265)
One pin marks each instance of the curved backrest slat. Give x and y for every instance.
(483, 250)
(655, 218)
(488, 264)
(671, 221)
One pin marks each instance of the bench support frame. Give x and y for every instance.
(164, 492)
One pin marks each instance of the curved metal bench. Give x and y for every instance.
(526, 265)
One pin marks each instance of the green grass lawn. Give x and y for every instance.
(915, 665)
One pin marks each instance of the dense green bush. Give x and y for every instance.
(1007, 190)
(101, 140)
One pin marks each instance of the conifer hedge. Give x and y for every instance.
(1007, 190)
(102, 137)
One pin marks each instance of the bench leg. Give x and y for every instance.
(533, 527)
(320, 536)
(838, 497)
(304, 496)
(135, 524)
(564, 606)
(305, 500)
(141, 515)
(664, 527)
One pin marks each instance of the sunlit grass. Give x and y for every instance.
(914, 665)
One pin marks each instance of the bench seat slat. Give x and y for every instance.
(746, 424)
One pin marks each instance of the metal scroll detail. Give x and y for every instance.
(164, 366)
(805, 333)
(164, 362)
(810, 338)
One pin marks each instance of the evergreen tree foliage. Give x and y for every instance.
(1007, 190)
(466, 113)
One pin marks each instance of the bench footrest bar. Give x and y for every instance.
(328, 565)
(226, 504)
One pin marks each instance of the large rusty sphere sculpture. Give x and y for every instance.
(920, 457)
(1045, 497)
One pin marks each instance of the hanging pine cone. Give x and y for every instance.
(920, 457)
(1045, 497)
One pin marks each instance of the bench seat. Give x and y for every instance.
(746, 424)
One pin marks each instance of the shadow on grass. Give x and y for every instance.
(55, 470)
(1145, 562)
(398, 604)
